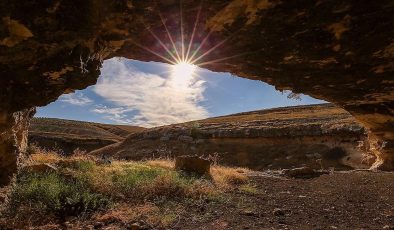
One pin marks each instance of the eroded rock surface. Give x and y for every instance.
(317, 136)
(339, 51)
(13, 141)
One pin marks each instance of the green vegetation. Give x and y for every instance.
(247, 188)
(83, 186)
(51, 192)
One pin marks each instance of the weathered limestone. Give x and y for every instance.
(336, 50)
(13, 141)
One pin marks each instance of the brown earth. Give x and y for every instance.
(68, 135)
(319, 136)
(329, 202)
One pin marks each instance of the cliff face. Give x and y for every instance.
(317, 136)
(339, 51)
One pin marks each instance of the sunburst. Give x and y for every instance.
(185, 59)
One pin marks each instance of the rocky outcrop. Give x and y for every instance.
(13, 141)
(339, 51)
(317, 136)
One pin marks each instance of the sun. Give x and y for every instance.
(182, 74)
(183, 70)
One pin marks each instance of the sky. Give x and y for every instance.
(151, 94)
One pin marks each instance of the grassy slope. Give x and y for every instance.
(298, 114)
(69, 135)
(80, 129)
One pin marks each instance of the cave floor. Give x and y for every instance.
(340, 200)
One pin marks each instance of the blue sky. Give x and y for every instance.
(150, 94)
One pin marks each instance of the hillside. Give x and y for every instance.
(320, 136)
(67, 135)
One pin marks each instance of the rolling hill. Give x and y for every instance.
(320, 136)
(67, 135)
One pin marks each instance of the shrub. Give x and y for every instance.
(53, 193)
(131, 178)
(152, 182)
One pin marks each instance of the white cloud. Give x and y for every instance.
(116, 114)
(148, 99)
(75, 99)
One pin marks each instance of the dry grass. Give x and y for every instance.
(227, 177)
(163, 163)
(285, 113)
(50, 158)
(100, 176)
(125, 189)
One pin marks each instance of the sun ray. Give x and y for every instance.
(153, 52)
(225, 58)
(200, 46)
(212, 49)
(170, 37)
(161, 43)
(193, 33)
(182, 35)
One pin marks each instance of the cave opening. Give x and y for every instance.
(326, 50)
(93, 75)
(151, 94)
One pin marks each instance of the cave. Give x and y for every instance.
(338, 51)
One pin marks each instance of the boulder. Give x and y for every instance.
(193, 164)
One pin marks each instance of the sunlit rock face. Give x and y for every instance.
(339, 51)
(317, 136)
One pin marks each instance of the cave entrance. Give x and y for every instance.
(318, 49)
(152, 94)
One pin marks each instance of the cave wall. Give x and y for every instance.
(340, 51)
(13, 141)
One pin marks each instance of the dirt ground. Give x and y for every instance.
(340, 200)
(347, 200)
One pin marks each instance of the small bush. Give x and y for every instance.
(53, 193)
(247, 188)
(130, 178)
(152, 182)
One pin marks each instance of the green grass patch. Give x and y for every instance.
(247, 188)
(52, 193)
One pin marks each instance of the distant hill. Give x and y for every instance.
(68, 135)
(316, 135)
